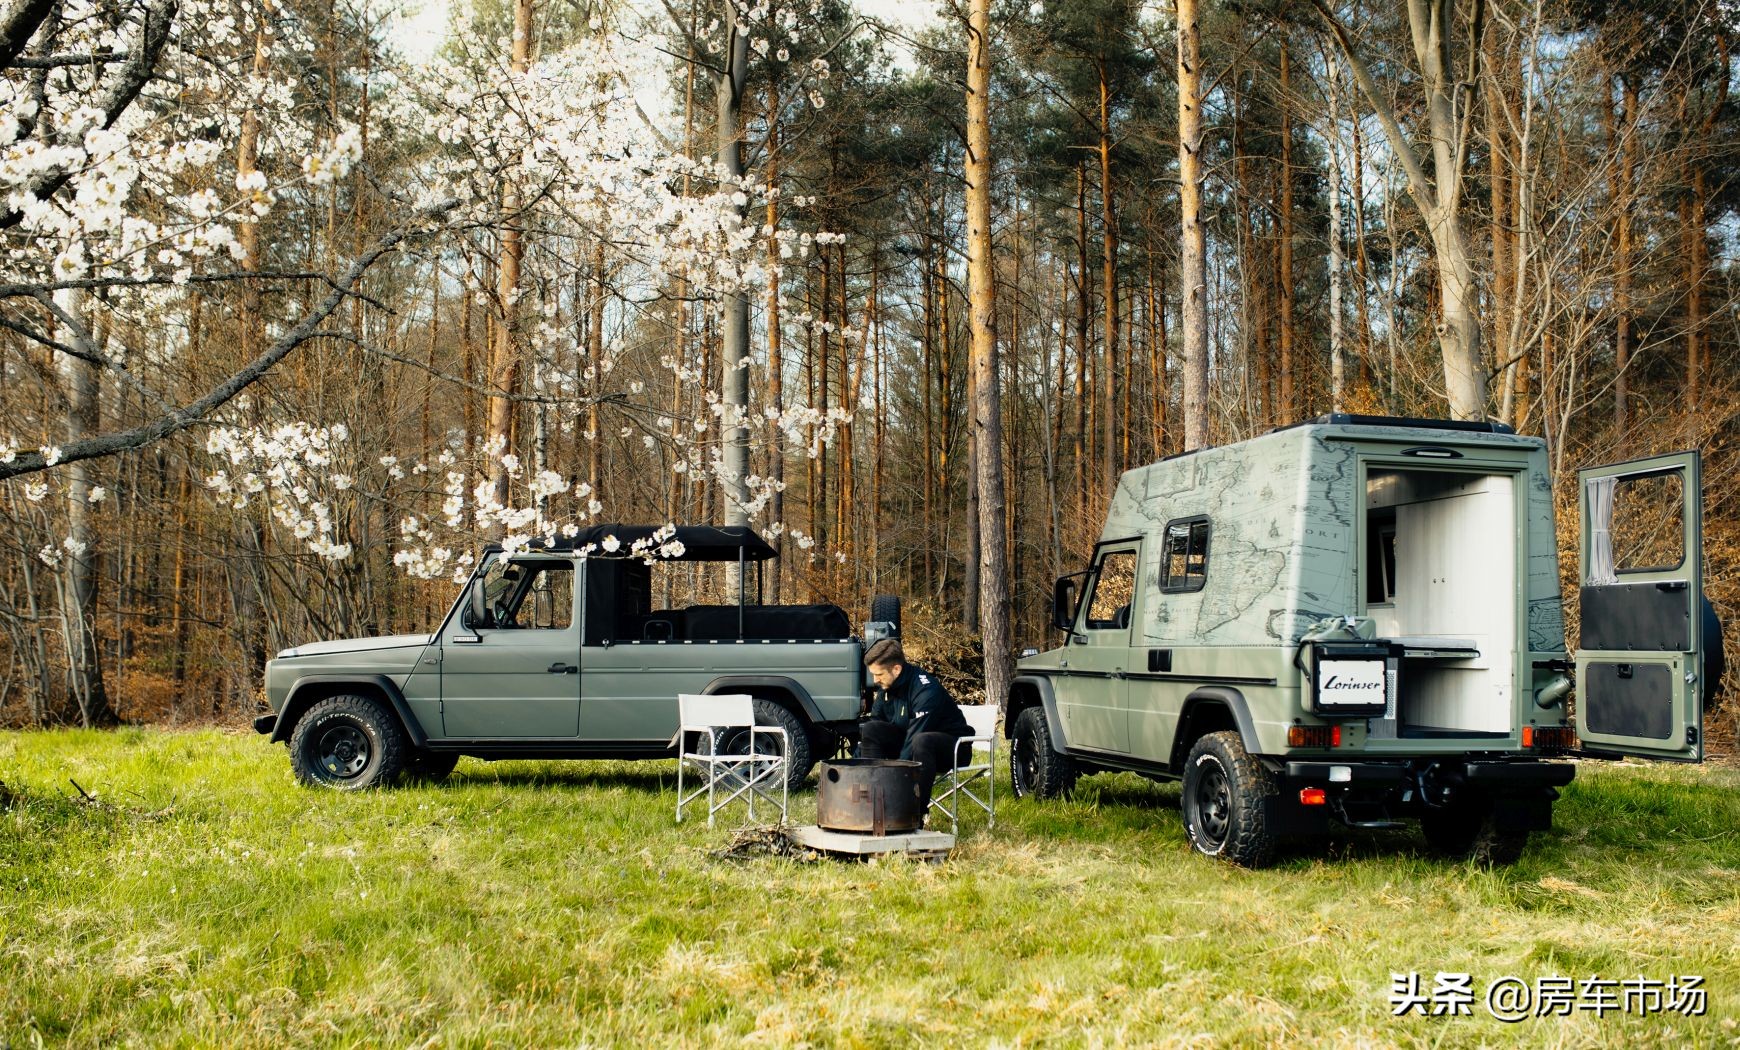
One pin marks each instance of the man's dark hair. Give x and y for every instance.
(885, 652)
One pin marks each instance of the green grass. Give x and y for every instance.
(209, 901)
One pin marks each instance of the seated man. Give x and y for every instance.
(913, 717)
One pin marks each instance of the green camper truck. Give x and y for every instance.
(1359, 619)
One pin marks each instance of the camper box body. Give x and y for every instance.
(1453, 559)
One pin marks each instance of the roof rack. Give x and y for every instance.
(1468, 426)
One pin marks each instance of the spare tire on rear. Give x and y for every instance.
(885, 608)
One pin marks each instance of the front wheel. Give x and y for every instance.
(349, 743)
(1227, 795)
(1034, 766)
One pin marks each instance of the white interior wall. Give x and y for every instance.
(1455, 579)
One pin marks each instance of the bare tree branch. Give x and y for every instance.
(194, 412)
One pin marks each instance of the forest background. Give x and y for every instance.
(296, 313)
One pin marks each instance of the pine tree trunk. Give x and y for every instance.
(987, 407)
(1337, 264)
(1193, 248)
(1109, 279)
(1620, 127)
(1289, 408)
(775, 348)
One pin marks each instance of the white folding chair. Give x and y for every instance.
(964, 781)
(708, 722)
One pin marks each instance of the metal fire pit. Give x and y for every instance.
(874, 795)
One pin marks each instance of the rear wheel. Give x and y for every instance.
(799, 760)
(349, 743)
(885, 608)
(1466, 830)
(1034, 766)
(1227, 794)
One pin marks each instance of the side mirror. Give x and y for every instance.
(1063, 603)
(477, 612)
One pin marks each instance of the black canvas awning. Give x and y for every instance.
(700, 542)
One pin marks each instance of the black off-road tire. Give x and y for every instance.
(1035, 768)
(885, 608)
(429, 767)
(349, 743)
(802, 757)
(1466, 831)
(1227, 795)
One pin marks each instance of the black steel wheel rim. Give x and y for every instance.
(344, 751)
(736, 742)
(1212, 802)
(1027, 761)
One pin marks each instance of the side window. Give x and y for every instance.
(1184, 561)
(1114, 592)
(552, 597)
(529, 595)
(1649, 523)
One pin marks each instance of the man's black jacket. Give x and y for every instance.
(918, 703)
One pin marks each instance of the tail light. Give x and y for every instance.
(1549, 737)
(1313, 797)
(1313, 736)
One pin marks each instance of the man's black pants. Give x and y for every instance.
(879, 739)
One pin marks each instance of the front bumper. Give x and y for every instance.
(265, 724)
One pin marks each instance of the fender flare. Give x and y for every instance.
(1041, 685)
(298, 702)
(1232, 700)
(740, 682)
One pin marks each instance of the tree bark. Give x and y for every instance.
(987, 407)
(1109, 281)
(504, 364)
(734, 349)
(1621, 139)
(1193, 255)
(1288, 408)
(1337, 264)
(775, 346)
(83, 385)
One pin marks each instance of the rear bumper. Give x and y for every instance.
(1518, 792)
(1488, 775)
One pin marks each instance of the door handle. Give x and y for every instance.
(562, 668)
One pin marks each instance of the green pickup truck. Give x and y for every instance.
(558, 652)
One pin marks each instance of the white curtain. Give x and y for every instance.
(1599, 493)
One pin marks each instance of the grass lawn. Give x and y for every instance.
(207, 900)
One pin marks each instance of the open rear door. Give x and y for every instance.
(1640, 564)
